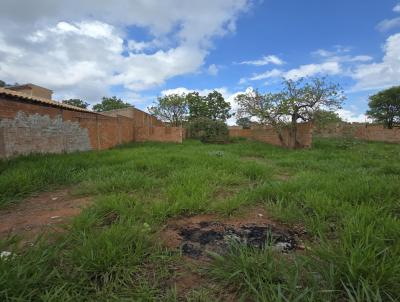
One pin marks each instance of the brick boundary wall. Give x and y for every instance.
(362, 131)
(30, 127)
(269, 135)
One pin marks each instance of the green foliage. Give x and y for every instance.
(171, 109)
(213, 106)
(385, 107)
(218, 108)
(197, 106)
(351, 247)
(2, 83)
(77, 103)
(323, 118)
(208, 130)
(110, 104)
(245, 122)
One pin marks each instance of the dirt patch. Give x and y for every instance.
(39, 214)
(195, 236)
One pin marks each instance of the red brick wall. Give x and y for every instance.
(268, 135)
(369, 132)
(159, 134)
(57, 127)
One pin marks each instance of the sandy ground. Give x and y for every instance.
(41, 213)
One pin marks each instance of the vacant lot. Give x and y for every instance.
(337, 205)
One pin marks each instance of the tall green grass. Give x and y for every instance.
(346, 194)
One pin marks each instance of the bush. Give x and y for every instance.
(208, 131)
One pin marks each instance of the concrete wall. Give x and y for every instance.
(369, 132)
(30, 127)
(269, 135)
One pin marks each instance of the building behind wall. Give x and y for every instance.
(33, 91)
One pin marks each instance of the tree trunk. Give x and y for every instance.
(293, 131)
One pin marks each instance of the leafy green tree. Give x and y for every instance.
(298, 101)
(322, 118)
(218, 108)
(172, 109)
(197, 106)
(77, 103)
(245, 122)
(213, 106)
(110, 104)
(2, 83)
(385, 107)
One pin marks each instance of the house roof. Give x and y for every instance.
(24, 97)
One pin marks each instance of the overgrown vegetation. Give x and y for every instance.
(346, 198)
(208, 131)
(384, 107)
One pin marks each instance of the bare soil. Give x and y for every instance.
(39, 214)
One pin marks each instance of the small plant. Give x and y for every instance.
(216, 153)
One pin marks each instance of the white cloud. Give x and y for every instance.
(85, 46)
(331, 68)
(213, 70)
(382, 74)
(141, 46)
(396, 9)
(340, 56)
(274, 73)
(388, 24)
(265, 60)
(182, 90)
(352, 117)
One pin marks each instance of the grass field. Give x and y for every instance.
(346, 194)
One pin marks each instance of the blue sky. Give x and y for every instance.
(139, 49)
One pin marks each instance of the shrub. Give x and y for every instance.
(208, 131)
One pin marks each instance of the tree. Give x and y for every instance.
(322, 118)
(110, 104)
(213, 106)
(2, 83)
(245, 122)
(299, 100)
(171, 108)
(385, 107)
(76, 102)
(218, 108)
(197, 106)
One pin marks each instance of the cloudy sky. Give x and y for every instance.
(141, 49)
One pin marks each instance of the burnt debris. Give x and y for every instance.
(216, 237)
